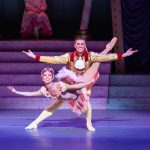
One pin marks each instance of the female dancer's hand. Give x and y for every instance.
(12, 89)
(30, 54)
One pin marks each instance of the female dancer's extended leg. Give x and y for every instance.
(45, 113)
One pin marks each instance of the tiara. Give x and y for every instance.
(51, 70)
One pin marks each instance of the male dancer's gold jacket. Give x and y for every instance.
(66, 59)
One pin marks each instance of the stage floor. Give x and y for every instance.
(115, 130)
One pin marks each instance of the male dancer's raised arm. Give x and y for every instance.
(62, 59)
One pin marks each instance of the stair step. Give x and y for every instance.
(35, 79)
(48, 45)
(129, 80)
(33, 68)
(129, 103)
(41, 103)
(128, 92)
(19, 57)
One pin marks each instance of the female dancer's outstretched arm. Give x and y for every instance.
(78, 85)
(36, 93)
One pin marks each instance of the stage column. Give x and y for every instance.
(85, 18)
(117, 31)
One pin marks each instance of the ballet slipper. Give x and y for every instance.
(90, 127)
(31, 126)
(111, 44)
(40, 118)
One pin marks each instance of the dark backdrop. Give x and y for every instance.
(64, 15)
(136, 29)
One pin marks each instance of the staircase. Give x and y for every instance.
(23, 73)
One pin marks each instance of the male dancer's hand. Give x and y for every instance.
(30, 54)
(129, 52)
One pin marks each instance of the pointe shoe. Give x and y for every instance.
(90, 128)
(111, 44)
(31, 126)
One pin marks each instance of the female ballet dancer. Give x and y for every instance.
(61, 91)
(57, 91)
